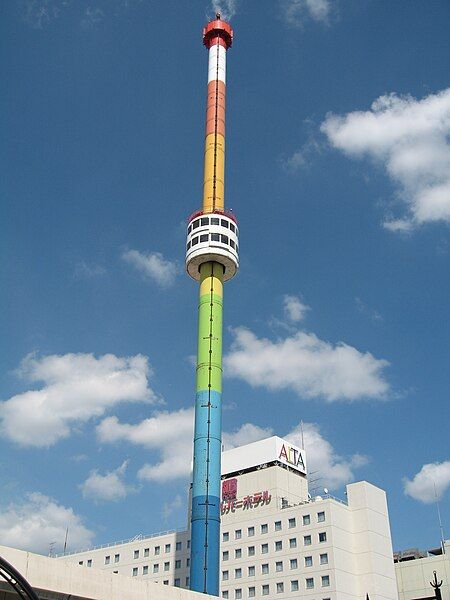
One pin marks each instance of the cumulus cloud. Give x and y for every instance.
(310, 367)
(170, 433)
(38, 521)
(430, 482)
(109, 487)
(245, 434)
(295, 12)
(294, 309)
(152, 265)
(170, 507)
(334, 470)
(410, 138)
(76, 388)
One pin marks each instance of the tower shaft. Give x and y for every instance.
(211, 259)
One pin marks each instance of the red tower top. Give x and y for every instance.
(218, 32)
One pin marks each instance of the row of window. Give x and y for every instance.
(145, 552)
(215, 237)
(155, 568)
(278, 545)
(265, 589)
(277, 525)
(279, 567)
(176, 581)
(204, 221)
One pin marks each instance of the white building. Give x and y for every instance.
(277, 541)
(414, 571)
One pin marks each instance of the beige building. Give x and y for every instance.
(414, 571)
(277, 541)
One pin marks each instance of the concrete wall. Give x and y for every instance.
(414, 576)
(65, 578)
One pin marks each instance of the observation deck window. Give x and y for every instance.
(204, 237)
(233, 228)
(232, 244)
(215, 237)
(224, 223)
(195, 224)
(215, 221)
(188, 245)
(224, 239)
(204, 221)
(195, 241)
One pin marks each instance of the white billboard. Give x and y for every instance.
(265, 451)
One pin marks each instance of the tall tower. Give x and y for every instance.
(211, 259)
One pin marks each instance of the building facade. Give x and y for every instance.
(415, 569)
(276, 540)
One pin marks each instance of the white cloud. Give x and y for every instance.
(246, 434)
(227, 8)
(171, 507)
(311, 367)
(294, 309)
(410, 138)
(168, 432)
(296, 11)
(152, 266)
(85, 271)
(109, 487)
(332, 469)
(39, 521)
(76, 388)
(432, 480)
(362, 307)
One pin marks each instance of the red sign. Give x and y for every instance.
(247, 502)
(229, 489)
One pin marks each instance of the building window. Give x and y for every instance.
(277, 525)
(117, 558)
(188, 562)
(194, 241)
(279, 566)
(232, 244)
(166, 566)
(167, 548)
(107, 560)
(308, 561)
(225, 536)
(278, 545)
(232, 227)
(322, 536)
(306, 519)
(178, 546)
(224, 223)
(265, 590)
(89, 562)
(265, 568)
(225, 593)
(215, 237)
(135, 571)
(136, 554)
(166, 582)
(293, 543)
(238, 593)
(238, 534)
(264, 548)
(320, 517)
(187, 582)
(225, 555)
(307, 540)
(264, 528)
(189, 228)
(324, 559)
(251, 550)
(225, 575)
(251, 592)
(325, 580)
(204, 221)
(146, 552)
(156, 568)
(81, 562)
(280, 587)
(177, 582)
(195, 224)
(204, 237)
(251, 571)
(178, 564)
(145, 570)
(238, 573)
(157, 550)
(215, 221)
(292, 523)
(251, 531)
(294, 563)
(309, 583)
(294, 585)
(224, 239)
(188, 545)
(188, 245)
(238, 553)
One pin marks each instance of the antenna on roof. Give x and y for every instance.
(441, 528)
(302, 434)
(65, 540)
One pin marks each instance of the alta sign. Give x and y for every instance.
(291, 456)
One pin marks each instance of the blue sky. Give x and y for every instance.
(338, 165)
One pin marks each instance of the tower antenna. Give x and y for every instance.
(441, 528)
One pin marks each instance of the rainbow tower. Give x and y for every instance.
(211, 259)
